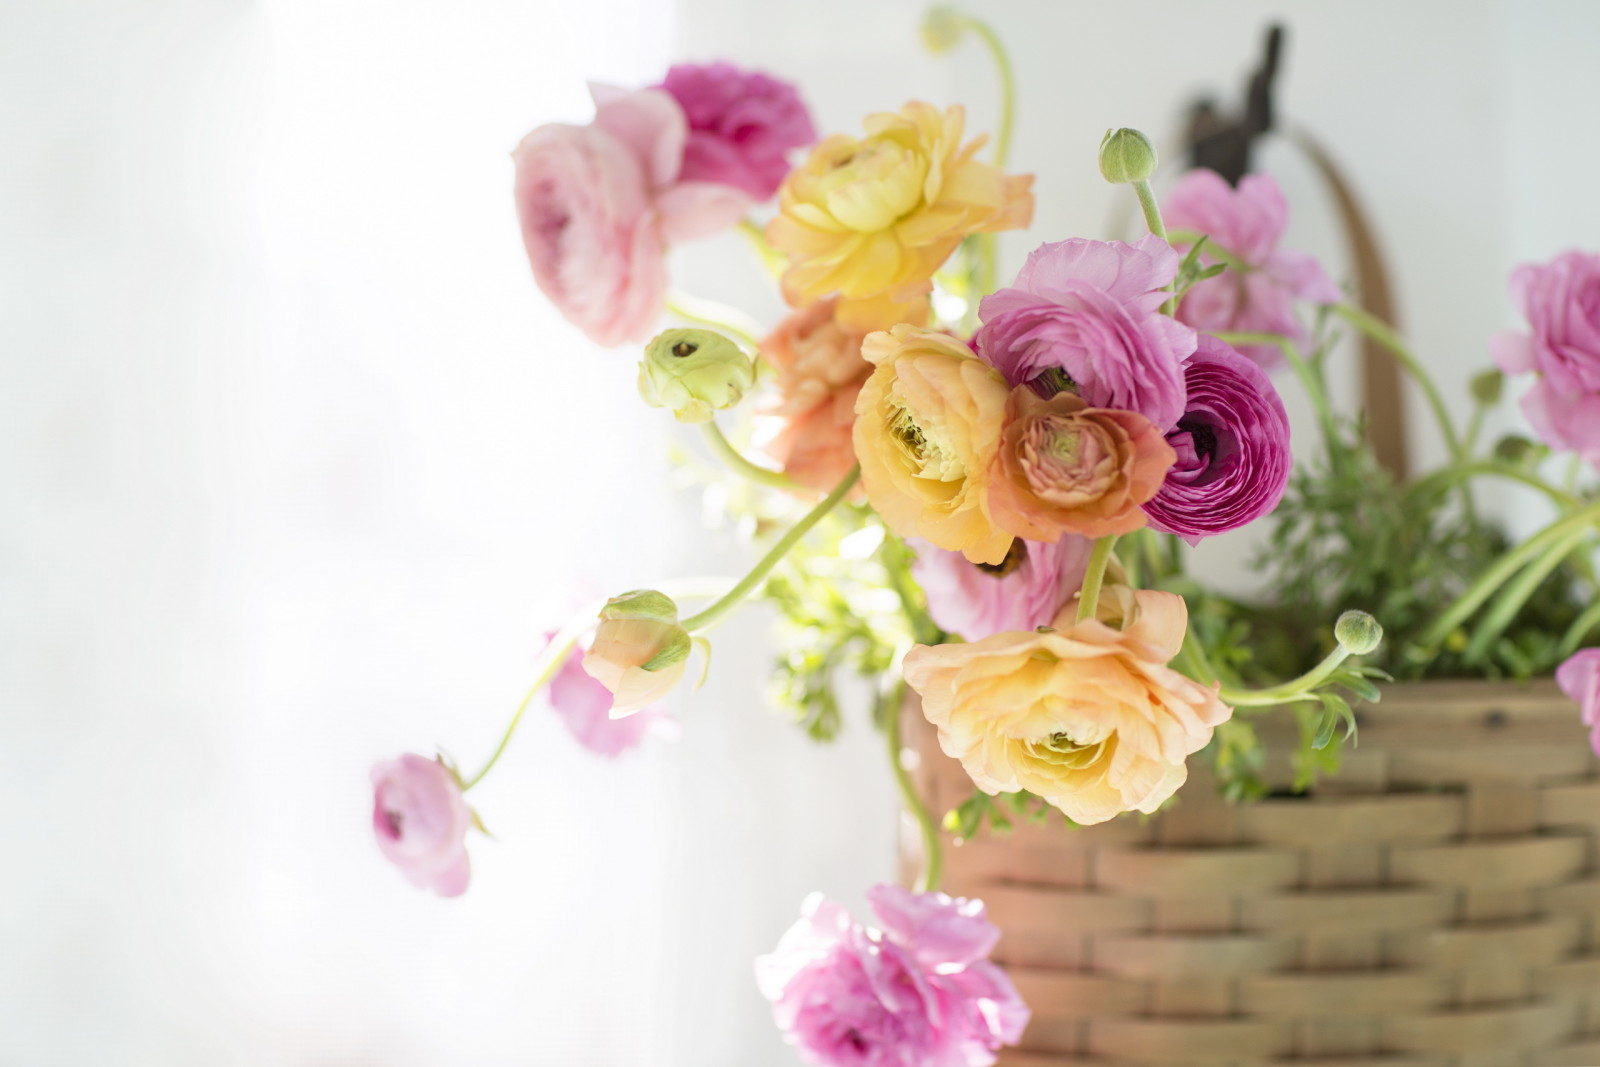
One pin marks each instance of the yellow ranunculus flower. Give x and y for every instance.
(872, 218)
(1088, 715)
(928, 424)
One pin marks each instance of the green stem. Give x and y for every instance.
(1385, 335)
(704, 620)
(1152, 219)
(932, 849)
(771, 259)
(737, 461)
(1497, 575)
(710, 314)
(923, 629)
(1516, 594)
(1450, 476)
(1294, 689)
(1579, 630)
(1099, 557)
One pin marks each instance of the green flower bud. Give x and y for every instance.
(1516, 449)
(1358, 632)
(1126, 156)
(941, 28)
(1486, 387)
(694, 372)
(641, 604)
(639, 651)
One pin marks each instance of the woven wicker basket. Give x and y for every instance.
(1434, 905)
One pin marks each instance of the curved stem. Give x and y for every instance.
(771, 259)
(1497, 575)
(1516, 593)
(1385, 335)
(713, 315)
(741, 465)
(1152, 219)
(1309, 379)
(932, 848)
(1579, 630)
(1294, 689)
(1099, 556)
(1450, 476)
(704, 620)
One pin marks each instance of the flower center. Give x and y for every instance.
(929, 455)
(1016, 556)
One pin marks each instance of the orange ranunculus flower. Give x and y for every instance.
(872, 218)
(1065, 467)
(820, 369)
(928, 423)
(1088, 715)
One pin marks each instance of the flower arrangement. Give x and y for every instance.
(983, 494)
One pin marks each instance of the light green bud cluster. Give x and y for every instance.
(694, 372)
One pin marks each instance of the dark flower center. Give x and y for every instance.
(1202, 434)
(1016, 556)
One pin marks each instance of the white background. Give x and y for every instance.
(294, 463)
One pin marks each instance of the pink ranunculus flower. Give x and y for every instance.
(1022, 592)
(1233, 448)
(918, 991)
(742, 125)
(1090, 310)
(1247, 223)
(584, 706)
(600, 203)
(421, 819)
(1579, 678)
(1561, 301)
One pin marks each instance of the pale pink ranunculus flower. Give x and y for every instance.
(917, 991)
(420, 819)
(1247, 222)
(583, 705)
(1024, 591)
(599, 204)
(1561, 301)
(1579, 678)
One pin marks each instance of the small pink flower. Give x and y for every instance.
(1247, 222)
(917, 992)
(1023, 592)
(1579, 678)
(598, 205)
(1561, 301)
(742, 125)
(421, 819)
(584, 707)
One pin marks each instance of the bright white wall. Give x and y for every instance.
(293, 453)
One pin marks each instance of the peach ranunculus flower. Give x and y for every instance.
(1065, 467)
(806, 425)
(1088, 715)
(639, 651)
(872, 218)
(928, 423)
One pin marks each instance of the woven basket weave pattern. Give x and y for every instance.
(1432, 906)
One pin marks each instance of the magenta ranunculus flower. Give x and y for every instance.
(1579, 678)
(599, 204)
(1090, 310)
(421, 819)
(1022, 592)
(1247, 222)
(742, 125)
(1232, 444)
(919, 991)
(584, 707)
(1561, 301)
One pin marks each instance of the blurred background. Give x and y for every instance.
(295, 464)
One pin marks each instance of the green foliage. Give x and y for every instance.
(998, 813)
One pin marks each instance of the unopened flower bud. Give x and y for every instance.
(639, 650)
(1358, 632)
(1486, 387)
(941, 28)
(694, 372)
(1516, 449)
(1127, 156)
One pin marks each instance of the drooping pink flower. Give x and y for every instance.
(1579, 678)
(1089, 310)
(1232, 444)
(919, 991)
(1561, 301)
(742, 125)
(1247, 223)
(420, 819)
(598, 205)
(1022, 592)
(584, 706)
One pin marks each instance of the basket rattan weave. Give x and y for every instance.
(1434, 905)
